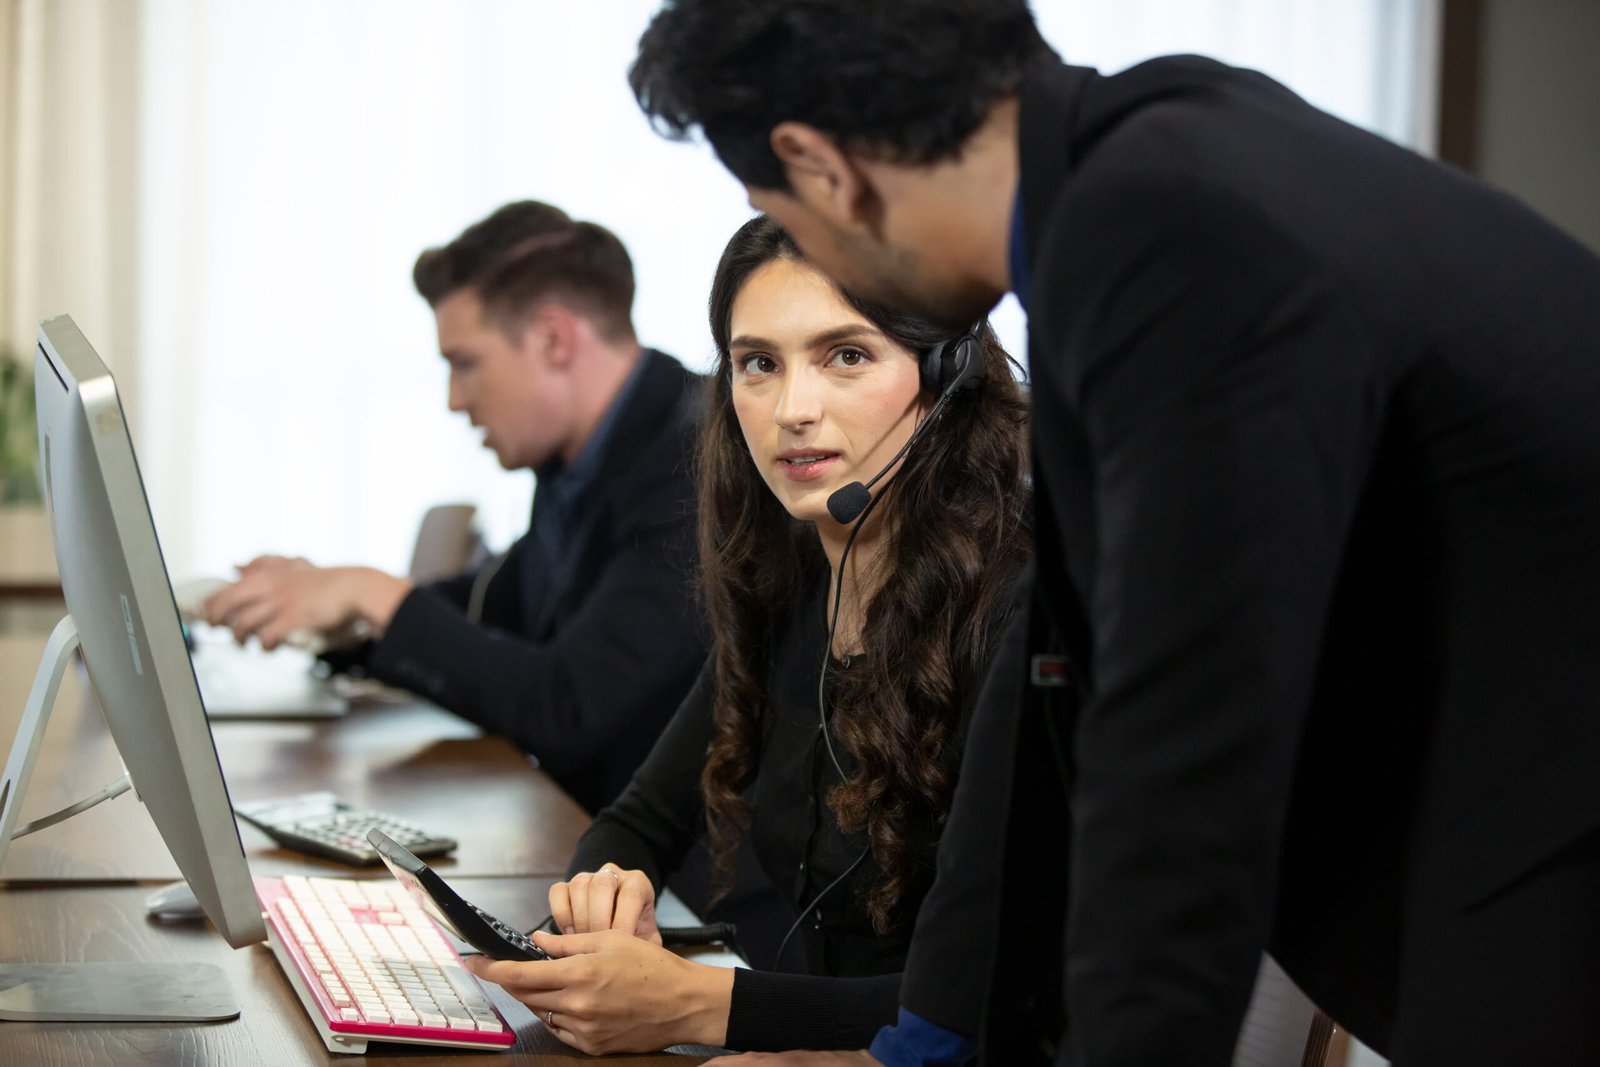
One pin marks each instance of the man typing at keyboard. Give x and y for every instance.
(533, 312)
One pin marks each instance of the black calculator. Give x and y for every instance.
(321, 824)
(464, 919)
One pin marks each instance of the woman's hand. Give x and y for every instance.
(611, 992)
(608, 899)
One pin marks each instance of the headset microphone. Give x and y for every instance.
(848, 502)
(946, 369)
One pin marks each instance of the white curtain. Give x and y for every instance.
(296, 158)
(1367, 61)
(68, 224)
(243, 187)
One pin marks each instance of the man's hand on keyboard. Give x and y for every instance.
(276, 597)
(613, 992)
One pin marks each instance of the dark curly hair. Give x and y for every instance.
(957, 524)
(909, 78)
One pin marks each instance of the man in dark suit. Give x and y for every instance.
(1317, 433)
(580, 642)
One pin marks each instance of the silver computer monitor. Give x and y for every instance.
(121, 609)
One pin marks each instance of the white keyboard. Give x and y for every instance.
(369, 965)
(247, 683)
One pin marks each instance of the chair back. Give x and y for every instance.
(447, 543)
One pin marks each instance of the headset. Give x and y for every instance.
(953, 366)
(946, 369)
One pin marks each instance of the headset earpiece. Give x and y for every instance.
(951, 366)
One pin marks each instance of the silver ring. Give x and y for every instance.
(550, 1018)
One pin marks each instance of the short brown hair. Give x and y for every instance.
(526, 253)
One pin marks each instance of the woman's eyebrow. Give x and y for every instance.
(853, 332)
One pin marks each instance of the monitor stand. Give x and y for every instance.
(99, 992)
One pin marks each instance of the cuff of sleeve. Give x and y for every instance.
(772, 1012)
(421, 636)
(915, 1042)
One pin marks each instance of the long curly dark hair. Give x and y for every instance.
(956, 524)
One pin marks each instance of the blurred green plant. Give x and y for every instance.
(19, 433)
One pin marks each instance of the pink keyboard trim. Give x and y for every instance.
(271, 891)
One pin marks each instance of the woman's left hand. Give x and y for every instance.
(612, 992)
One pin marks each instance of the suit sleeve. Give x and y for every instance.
(457, 589)
(570, 699)
(959, 918)
(774, 1012)
(1225, 396)
(652, 825)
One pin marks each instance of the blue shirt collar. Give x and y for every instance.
(1018, 250)
(569, 480)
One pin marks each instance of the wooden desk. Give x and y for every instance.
(68, 899)
(414, 761)
(108, 923)
(27, 558)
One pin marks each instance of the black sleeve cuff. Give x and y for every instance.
(773, 1012)
(424, 632)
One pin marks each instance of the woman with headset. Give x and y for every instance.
(853, 620)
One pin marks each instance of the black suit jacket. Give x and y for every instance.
(582, 665)
(1317, 443)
